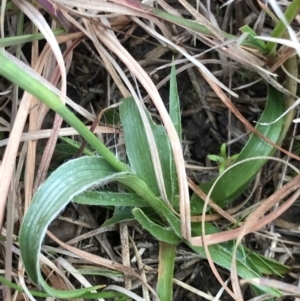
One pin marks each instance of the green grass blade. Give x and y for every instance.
(291, 12)
(19, 40)
(36, 87)
(236, 180)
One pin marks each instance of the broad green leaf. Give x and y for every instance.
(137, 147)
(236, 180)
(68, 180)
(161, 233)
(123, 203)
(107, 198)
(139, 153)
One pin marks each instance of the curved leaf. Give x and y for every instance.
(236, 180)
(68, 180)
